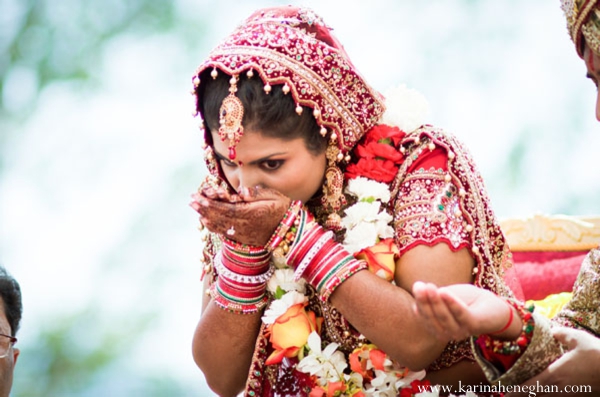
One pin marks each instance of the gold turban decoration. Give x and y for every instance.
(583, 23)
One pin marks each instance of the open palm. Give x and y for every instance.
(455, 312)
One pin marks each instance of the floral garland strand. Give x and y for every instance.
(294, 331)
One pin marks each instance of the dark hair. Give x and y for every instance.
(273, 114)
(10, 292)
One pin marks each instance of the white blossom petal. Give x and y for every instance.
(280, 306)
(284, 279)
(314, 342)
(407, 108)
(361, 236)
(406, 380)
(364, 188)
(360, 212)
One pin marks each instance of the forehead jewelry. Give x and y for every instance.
(231, 114)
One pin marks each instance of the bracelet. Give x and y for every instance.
(511, 347)
(241, 248)
(243, 272)
(316, 256)
(286, 222)
(331, 283)
(312, 252)
(232, 306)
(222, 270)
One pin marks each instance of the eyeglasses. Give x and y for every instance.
(6, 344)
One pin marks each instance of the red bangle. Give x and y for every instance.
(510, 320)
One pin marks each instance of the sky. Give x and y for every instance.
(94, 197)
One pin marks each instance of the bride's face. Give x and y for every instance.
(286, 166)
(592, 63)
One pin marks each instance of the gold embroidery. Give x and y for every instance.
(583, 310)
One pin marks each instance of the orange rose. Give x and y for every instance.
(289, 333)
(332, 389)
(359, 357)
(381, 258)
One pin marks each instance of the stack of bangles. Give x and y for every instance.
(243, 275)
(299, 241)
(319, 259)
(244, 270)
(506, 352)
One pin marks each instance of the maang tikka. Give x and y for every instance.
(231, 114)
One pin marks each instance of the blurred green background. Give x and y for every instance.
(99, 154)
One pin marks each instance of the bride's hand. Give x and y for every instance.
(455, 312)
(249, 217)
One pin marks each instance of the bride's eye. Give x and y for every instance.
(272, 165)
(227, 163)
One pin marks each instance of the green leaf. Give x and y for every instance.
(279, 292)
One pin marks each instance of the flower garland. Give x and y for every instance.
(294, 331)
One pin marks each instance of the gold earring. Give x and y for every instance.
(212, 179)
(333, 196)
(231, 114)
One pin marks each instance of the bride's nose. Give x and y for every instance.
(247, 178)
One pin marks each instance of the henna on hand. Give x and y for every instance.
(248, 218)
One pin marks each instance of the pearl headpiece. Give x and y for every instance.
(293, 47)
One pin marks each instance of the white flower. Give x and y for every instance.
(360, 212)
(408, 378)
(354, 379)
(364, 224)
(327, 365)
(280, 306)
(364, 188)
(406, 108)
(365, 212)
(361, 236)
(382, 385)
(284, 279)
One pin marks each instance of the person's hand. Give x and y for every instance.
(579, 366)
(249, 217)
(455, 312)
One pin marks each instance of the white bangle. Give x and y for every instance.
(241, 278)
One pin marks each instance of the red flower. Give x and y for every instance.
(379, 151)
(416, 386)
(378, 170)
(383, 133)
(406, 392)
(378, 157)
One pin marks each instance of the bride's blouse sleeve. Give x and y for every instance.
(428, 208)
(438, 196)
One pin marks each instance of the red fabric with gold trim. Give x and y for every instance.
(428, 209)
(292, 46)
